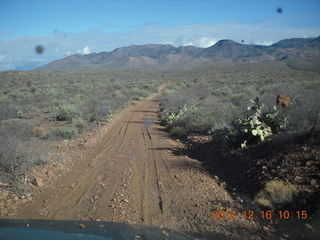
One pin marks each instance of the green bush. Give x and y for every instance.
(196, 121)
(3, 99)
(223, 91)
(65, 132)
(101, 117)
(67, 112)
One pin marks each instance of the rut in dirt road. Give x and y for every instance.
(132, 175)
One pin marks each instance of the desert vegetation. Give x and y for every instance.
(37, 109)
(225, 92)
(230, 117)
(252, 126)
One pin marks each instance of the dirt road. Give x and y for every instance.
(133, 175)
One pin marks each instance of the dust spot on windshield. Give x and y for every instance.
(39, 49)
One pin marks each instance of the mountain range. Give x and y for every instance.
(163, 55)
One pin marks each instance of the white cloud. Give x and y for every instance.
(86, 50)
(203, 42)
(206, 42)
(265, 43)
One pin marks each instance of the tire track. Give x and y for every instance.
(89, 185)
(81, 187)
(77, 196)
(151, 177)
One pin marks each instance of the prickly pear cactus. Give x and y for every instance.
(173, 116)
(258, 125)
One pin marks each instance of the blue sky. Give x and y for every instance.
(74, 26)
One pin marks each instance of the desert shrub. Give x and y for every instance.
(169, 91)
(38, 132)
(8, 111)
(76, 100)
(175, 99)
(223, 91)
(51, 109)
(237, 99)
(171, 117)
(92, 108)
(16, 153)
(137, 98)
(65, 132)
(178, 132)
(306, 104)
(196, 121)
(267, 89)
(250, 91)
(191, 118)
(117, 94)
(276, 193)
(99, 113)
(3, 99)
(52, 92)
(67, 112)
(79, 123)
(212, 111)
(257, 125)
(223, 140)
(143, 92)
(146, 86)
(304, 114)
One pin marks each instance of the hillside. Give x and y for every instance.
(158, 55)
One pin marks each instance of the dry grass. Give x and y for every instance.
(276, 193)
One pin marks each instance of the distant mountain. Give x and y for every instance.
(154, 55)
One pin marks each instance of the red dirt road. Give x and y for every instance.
(133, 175)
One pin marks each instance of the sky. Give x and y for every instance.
(68, 27)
